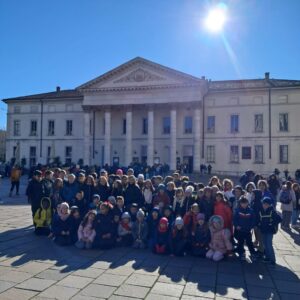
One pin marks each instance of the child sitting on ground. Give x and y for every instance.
(178, 238)
(152, 222)
(95, 204)
(140, 230)
(201, 238)
(161, 243)
(86, 231)
(42, 217)
(75, 223)
(125, 231)
(220, 239)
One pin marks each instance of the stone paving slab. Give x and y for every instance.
(35, 268)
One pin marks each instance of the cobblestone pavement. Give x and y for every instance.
(34, 268)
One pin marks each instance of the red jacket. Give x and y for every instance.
(222, 209)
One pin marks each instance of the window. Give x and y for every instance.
(48, 154)
(210, 154)
(283, 154)
(283, 122)
(32, 156)
(17, 128)
(258, 154)
(33, 128)
(124, 126)
(234, 123)
(145, 126)
(69, 127)
(234, 154)
(211, 124)
(246, 152)
(166, 125)
(188, 124)
(258, 123)
(51, 128)
(68, 155)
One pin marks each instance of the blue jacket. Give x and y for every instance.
(58, 225)
(245, 218)
(68, 192)
(269, 220)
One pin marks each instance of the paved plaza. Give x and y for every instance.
(34, 267)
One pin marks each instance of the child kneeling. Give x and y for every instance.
(140, 231)
(220, 239)
(125, 231)
(86, 231)
(42, 218)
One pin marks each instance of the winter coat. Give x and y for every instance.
(124, 231)
(164, 198)
(288, 207)
(178, 206)
(59, 225)
(88, 191)
(188, 202)
(103, 191)
(140, 230)
(75, 223)
(274, 185)
(43, 217)
(152, 225)
(178, 241)
(87, 232)
(206, 207)
(148, 196)
(47, 187)
(202, 236)
(268, 221)
(244, 218)
(297, 204)
(220, 237)
(222, 209)
(133, 194)
(190, 222)
(68, 192)
(104, 225)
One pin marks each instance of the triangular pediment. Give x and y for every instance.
(137, 73)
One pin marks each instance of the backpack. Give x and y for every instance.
(285, 197)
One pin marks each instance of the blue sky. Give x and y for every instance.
(68, 42)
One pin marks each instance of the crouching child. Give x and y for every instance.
(42, 217)
(140, 231)
(86, 231)
(178, 238)
(220, 243)
(161, 241)
(125, 231)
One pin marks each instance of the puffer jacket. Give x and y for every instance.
(43, 217)
(288, 207)
(87, 232)
(220, 237)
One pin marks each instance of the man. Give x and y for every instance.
(34, 191)
(15, 176)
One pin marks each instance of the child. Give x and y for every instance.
(287, 198)
(133, 211)
(222, 208)
(61, 225)
(189, 199)
(250, 187)
(206, 203)
(161, 197)
(140, 231)
(148, 191)
(105, 228)
(220, 239)
(190, 220)
(244, 222)
(237, 193)
(178, 202)
(152, 222)
(168, 213)
(94, 205)
(178, 238)
(86, 231)
(201, 238)
(268, 225)
(42, 217)
(80, 202)
(161, 243)
(75, 223)
(125, 231)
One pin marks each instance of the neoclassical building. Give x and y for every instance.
(143, 111)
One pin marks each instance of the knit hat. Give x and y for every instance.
(119, 172)
(141, 176)
(37, 173)
(112, 200)
(156, 209)
(96, 196)
(165, 222)
(125, 215)
(179, 221)
(189, 189)
(161, 187)
(74, 208)
(267, 200)
(130, 170)
(140, 213)
(200, 216)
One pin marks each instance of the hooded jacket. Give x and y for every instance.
(244, 218)
(43, 216)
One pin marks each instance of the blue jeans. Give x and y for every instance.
(268, 243)
(295, 216)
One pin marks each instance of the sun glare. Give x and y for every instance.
(215, 19)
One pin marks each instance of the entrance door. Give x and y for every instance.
(188, 161)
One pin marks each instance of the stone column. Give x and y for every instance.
(86, 138)
(107, 120)
(128, 155)
(150, 147)
(173, 140)
(197, 139)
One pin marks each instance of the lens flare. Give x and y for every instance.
(216, 19)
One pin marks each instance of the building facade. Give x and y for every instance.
(146, 112)
(2, 145)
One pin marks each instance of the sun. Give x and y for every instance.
(215, 19)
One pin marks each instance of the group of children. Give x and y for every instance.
(176, 217)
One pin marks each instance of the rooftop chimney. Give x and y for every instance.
(267, 75)
(58, 88)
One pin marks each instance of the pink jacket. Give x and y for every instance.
(220, 237)
(86, 232)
